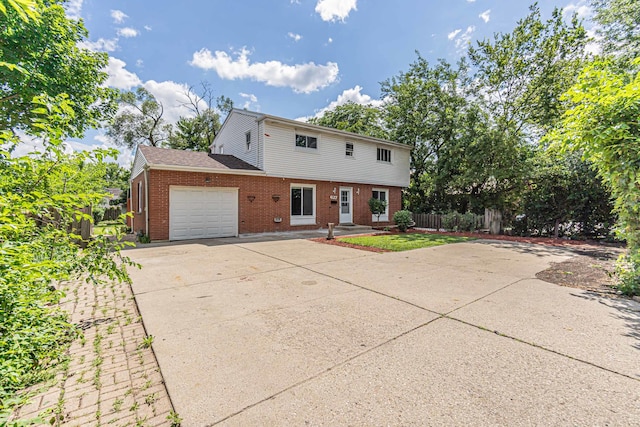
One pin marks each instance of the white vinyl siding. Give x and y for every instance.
(232, 138)
(328, 162)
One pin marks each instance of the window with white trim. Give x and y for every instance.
(384, 155)
(305, 141)
(139, 196)
(303, 204)
(381, 194)
(348, 149)
(247, 138)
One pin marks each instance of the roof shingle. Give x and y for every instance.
(169, 157)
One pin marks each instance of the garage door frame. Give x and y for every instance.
(173, 188)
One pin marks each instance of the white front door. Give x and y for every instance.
(346, 205)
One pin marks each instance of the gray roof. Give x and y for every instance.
(195, 159)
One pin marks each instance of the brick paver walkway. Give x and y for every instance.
(112, 378)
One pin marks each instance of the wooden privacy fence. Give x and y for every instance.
(435, 221)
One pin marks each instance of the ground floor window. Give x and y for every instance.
(381, 194)
(303, 204)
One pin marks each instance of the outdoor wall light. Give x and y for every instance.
(251, 198)
(207, 179)
(275, 197)
(358, 191)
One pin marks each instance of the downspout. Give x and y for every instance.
(146, 200)
(133, 216)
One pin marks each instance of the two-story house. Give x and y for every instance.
(266, 173)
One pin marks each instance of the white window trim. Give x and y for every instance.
(385, 215)
(306, 149)
(303, 219)
(139, 196)
(353, 150)
(390, 155)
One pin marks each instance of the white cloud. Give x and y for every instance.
(147, 27)
(139, 63)
(452, 35)
(471, 1)
(304, 78)
(348, 95)
(295, 37)
(251, 102)
(462, 40)
(119, 77)
(581, 8)
(330, 40)
(335, 10)
(486, 15)
(125, 158)
(100, 45)
(118, 16)
(73, 8)
(127, 32)
(172, 96)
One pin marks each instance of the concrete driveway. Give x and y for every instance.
(293, 332)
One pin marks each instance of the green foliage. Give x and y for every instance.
(40, 199)
(174, 419)
(564, 197)
(139, 120)
(356, 118)
(45, 58)
(377, 207)
(195, 133)
(404, 242)
(602, 124)
(619, 24)
(455, 221)
(403, 220)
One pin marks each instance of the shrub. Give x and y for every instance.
(455, 221)
(403, 220)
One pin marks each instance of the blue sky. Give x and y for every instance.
(289, 58)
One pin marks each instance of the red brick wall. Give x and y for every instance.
(257, 216)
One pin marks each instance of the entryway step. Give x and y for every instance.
(352, 227)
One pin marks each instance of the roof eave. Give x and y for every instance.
(207, 170)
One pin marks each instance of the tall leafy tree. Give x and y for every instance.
(619, 26)
(602, 123)
(521, 75)
(353, 117)
(42, 56)
(139, 120)
(198, 131)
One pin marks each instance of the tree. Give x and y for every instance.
(139, 120)
(356, 118)
(602, 124)
(377, 207)
(520, 76)
(44, 58)
(198, 132)
(619, 27)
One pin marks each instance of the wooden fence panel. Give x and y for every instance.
(435, 221)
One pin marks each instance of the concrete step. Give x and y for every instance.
(353, 227)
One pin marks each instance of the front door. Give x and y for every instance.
(346, 205)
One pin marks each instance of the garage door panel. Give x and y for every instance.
(196, 213)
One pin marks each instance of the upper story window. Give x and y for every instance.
(306, 141)
(247, 138)
(348, 149)
(384, 155)
(221, 151)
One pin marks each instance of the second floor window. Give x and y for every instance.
(306, 141)
(247, 137)
(348, 151)
(384, 155)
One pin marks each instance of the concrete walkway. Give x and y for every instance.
(292, 332)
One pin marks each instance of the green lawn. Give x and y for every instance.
(404, 242)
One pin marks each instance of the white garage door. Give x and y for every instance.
(198, 213)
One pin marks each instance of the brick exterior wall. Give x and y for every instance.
(255, 216)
